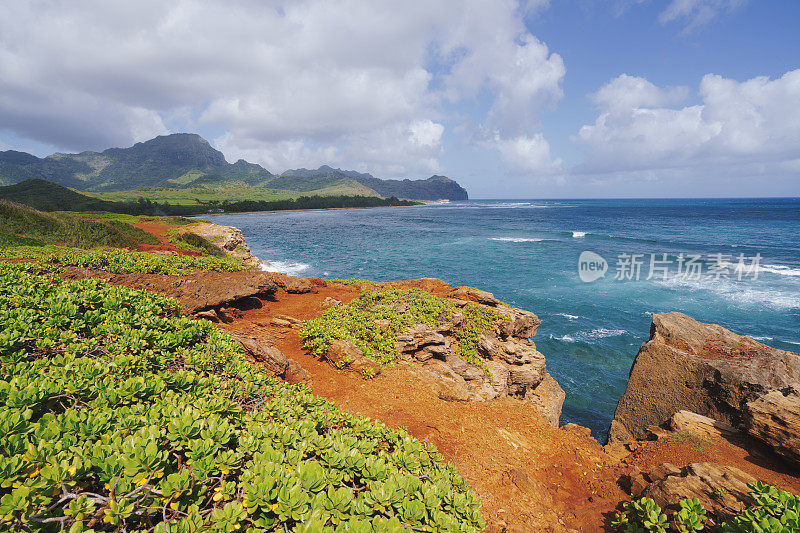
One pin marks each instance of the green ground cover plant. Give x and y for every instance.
(120, 415)
(123, 261)
(773, 511)
(355, 322)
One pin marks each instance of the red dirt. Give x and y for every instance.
(528, 475)
(161, 231)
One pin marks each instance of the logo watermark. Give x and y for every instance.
(662, 266)
(591, 266)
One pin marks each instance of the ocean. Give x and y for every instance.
(729, 262)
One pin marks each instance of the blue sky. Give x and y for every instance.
(559, 99)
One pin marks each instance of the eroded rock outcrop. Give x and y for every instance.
(774, 418)
(703, 368)
(229, 239)
(507, 363)
(716, 486)
(196, 292)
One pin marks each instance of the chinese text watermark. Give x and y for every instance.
(662, 266)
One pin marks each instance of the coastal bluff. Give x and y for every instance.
(706, 369)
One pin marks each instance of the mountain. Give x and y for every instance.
(186, 160)
(433, 188)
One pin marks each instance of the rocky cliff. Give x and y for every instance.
(702, 368)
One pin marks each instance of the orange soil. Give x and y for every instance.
(161, 231)
(529, 476)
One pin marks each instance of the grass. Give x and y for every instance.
(355, 322)
(20, 224)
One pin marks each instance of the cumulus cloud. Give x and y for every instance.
(287, 83)
(695, 13)
(752, 124)
(527, 155)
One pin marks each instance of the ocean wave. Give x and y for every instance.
(578, 234)
(514, 239)
(588, 336)
(285, 267)
(782, 270)
(763, 338)
(739, 293)
(567, 315)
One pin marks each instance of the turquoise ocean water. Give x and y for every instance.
(526, 252)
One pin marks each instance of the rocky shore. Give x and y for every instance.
(706, 411)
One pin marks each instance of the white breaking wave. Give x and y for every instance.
(739, 293)
(578, 234)
(783, 270)
(285, 267)
(762, 339)
(514, 239)
(588, 336)
(567, 315)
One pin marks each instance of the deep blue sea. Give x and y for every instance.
(526, 252)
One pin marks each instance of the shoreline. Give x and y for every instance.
(309, 209)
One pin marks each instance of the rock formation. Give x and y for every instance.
(229, 239)
(703, 368)
(774, 418)
(508, 363)
(716, 486)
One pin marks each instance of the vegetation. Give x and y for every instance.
(119, 415)
(196, 243)
(23, 225)
(400, 309)
(50, 197)
(187, 161)
(773, 511)
(123, 261)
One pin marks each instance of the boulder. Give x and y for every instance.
(292, 284)
(329, 302)
(702, 426)
(703, 368)
(774, 418)
(548, 398)
(272, 358)
(344, 353)
(341, 353)
(474, 295)
(715, 485)
(295, 373)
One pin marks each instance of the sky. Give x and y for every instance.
(530, 99)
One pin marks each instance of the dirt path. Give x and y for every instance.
(162, 231)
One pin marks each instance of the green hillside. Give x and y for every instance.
(187, 161)
(23, 225)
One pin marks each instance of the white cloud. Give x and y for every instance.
(285, 82)
(528, 155)
(751, 124)
(695, 13)
(626, 92)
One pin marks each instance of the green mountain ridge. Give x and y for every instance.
(184, 160)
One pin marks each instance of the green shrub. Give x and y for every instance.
(120, 415)
(197, 243)
(773, 511)
(64, 228)
(121, 261)
(355, 322)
